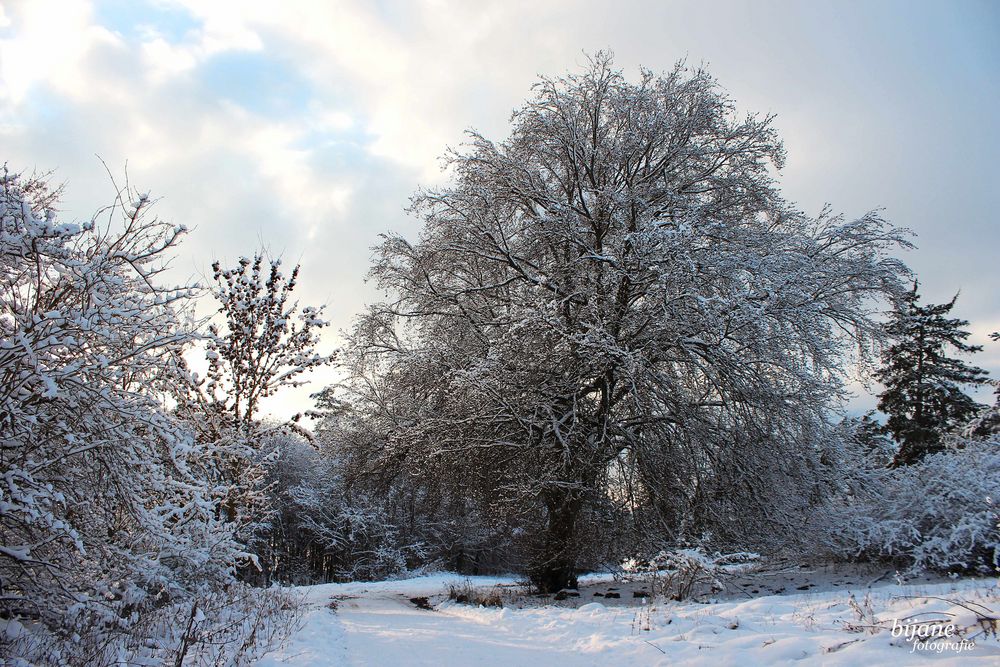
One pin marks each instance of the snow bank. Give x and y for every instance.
(377, 624)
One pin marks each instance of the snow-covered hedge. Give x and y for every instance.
(940, 514)
(234, 627)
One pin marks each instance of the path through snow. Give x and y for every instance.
(376, 624)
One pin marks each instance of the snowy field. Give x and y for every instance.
(836, 622)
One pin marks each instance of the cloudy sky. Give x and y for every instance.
(306, 128)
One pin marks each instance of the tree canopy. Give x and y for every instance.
(616, 303)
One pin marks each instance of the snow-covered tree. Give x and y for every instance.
(265, 343)
(923, 395)
(876, 446)
(262, 342)
(619, 278)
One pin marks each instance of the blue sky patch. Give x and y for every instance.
(127, 18)
(257, 82)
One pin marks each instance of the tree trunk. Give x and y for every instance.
(554, 565)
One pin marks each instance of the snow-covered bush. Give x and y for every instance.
(235, 626)
(353, 531)
(372, 518)
(679, 574)
(108, 528)
(987, 424)
(321, 530)
(941, 514)
(467, 593)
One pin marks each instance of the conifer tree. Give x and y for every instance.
(923, 395)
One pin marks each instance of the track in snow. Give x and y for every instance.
(377, 624)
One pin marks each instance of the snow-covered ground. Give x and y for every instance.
(376, 623)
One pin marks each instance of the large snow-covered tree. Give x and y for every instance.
(618, 285)
(923, 394)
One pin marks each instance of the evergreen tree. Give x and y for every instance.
(923, 396)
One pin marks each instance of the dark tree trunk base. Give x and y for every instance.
(553, 579)
(555, 564)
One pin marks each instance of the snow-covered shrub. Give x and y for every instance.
(679, 574)
(353, 531)
(377, 517)
(987, 423)
(466, 593)
(940, 514)
(232, 627)
(321, 530)
(107, 525)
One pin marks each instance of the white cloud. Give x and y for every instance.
(412, 78)
(51, 45)
(166, 60)
(216, 35)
